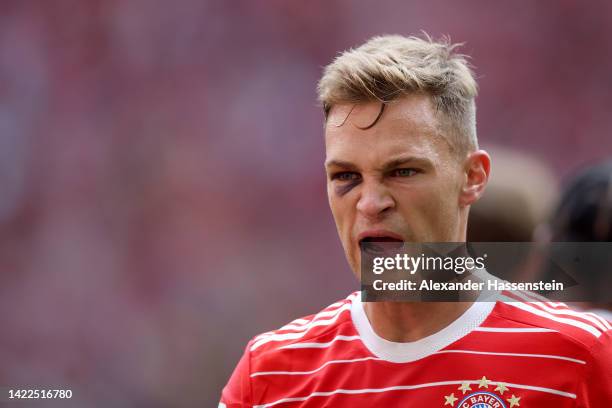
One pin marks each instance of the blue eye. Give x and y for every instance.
(404, 172)
(345, 176)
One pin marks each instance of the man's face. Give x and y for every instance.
(397, 180)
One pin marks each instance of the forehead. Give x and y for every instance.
(407, 125)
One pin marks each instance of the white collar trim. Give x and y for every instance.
(416, 350)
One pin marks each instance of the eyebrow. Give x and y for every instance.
(340, 163)
(399, 161)
(395, 162)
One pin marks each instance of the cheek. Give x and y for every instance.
(444, 213)
(337, 202)
(341, 211)
(428, 210)
(337, 209)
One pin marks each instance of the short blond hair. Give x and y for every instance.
(388, 67)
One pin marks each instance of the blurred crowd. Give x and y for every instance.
(162, 193)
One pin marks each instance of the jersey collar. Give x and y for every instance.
(412, 351)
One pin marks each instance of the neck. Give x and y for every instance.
(403, 322)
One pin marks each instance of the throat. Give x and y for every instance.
(404, 322)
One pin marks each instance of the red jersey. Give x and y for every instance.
(511, 353)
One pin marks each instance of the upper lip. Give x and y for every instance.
(378, 233)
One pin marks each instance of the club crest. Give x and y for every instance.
(482, 393)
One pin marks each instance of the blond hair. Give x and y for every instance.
(388, 67)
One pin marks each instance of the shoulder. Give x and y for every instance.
(572, 345)
(581, 331)
(334, 319)
(286, 348)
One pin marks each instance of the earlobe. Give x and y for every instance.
(477, 169)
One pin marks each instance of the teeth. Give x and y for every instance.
(371, 247)
(380, 245)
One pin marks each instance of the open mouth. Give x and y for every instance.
(380, 244)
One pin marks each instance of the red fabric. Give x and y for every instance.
(585, 380)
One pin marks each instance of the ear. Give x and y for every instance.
(477, 168)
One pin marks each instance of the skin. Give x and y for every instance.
(400, 176)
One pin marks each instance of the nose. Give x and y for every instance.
(375, 200)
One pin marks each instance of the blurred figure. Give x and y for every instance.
(514, 211)
(511, 211)
(584, 214)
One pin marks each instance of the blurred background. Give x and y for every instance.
(162, 193)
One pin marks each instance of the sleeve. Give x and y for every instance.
(237, 392)
(596, 388)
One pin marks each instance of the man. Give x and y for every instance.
(584, 214)
(403, 165)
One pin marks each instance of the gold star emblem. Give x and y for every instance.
(465, 387)
(450, 399)
(501, 387)
(483, 383)
(514, 401)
